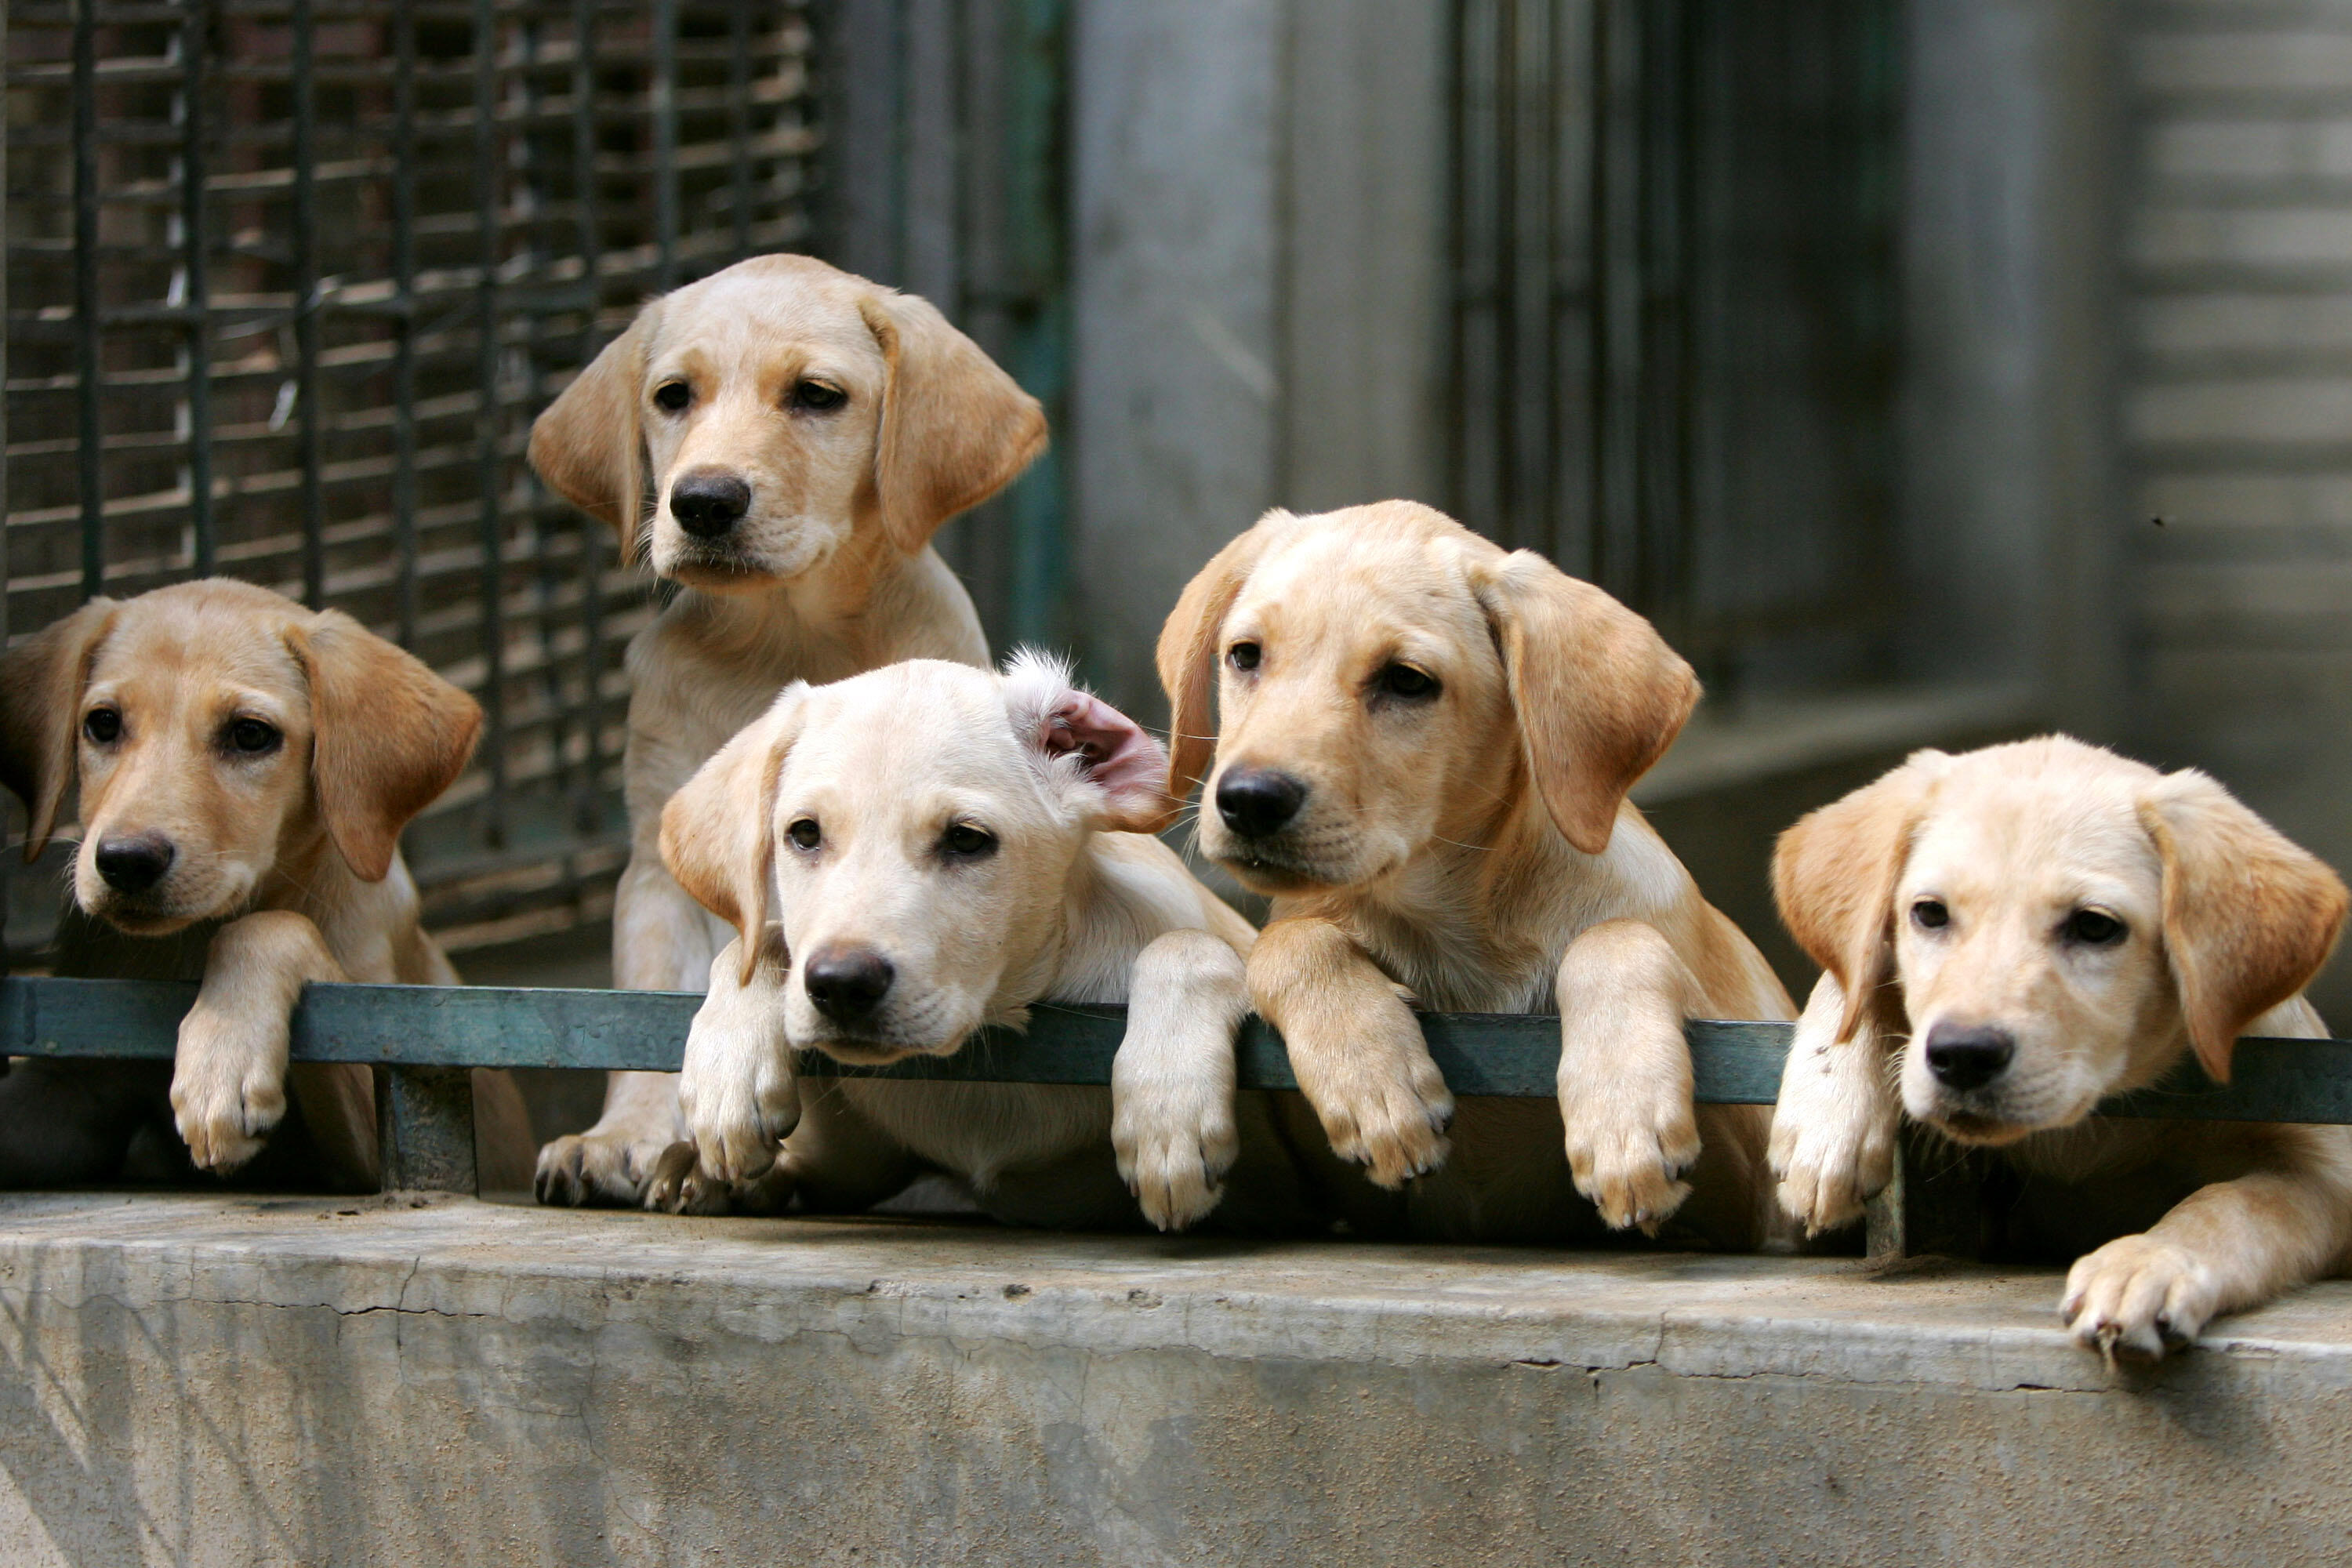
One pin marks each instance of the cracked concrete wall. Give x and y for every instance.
(206, 1381)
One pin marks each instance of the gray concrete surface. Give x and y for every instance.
(215, 1381)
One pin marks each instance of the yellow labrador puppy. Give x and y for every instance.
(244, 768)
(2009, 936)
(802, 433)
(949, 849)
(1423, 751)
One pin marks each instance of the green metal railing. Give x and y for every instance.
(426, 1038)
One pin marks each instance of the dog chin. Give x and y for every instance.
(134, 919)
(714, 573)
(1980, 1127)
(1268, 870)
(877, 1053)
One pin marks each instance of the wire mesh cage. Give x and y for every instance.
(286, 285)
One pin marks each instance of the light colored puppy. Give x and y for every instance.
(2009, 937)
(244, 767)
(1422, 753)
(802, 434)
(948, 850)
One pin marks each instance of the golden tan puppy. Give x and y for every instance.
(944, 848)
(1422, 749)
(2013, 934)
(802, 433)
(244, 768)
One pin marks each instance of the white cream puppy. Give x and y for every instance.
(946, 848)
(2014, 934)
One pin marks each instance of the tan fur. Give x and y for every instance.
(1947, 892)
(829, 573)
(294, 846)
(1063, 906)
(1476, 852)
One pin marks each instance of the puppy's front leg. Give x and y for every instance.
(228, 1076)
(737, 1090)
(1355, 1047)
(1834, 1129)
(1172, 1084)
(2229, 1245)
(1625, 1072)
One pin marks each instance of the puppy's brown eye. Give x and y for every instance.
(1929, 914)
(103, 725)
(1404, 680)
(804, 834)
(2095, 927)
(1242, 656)
(817, 398)
(966, 842)
(673, 396)
(251, 736)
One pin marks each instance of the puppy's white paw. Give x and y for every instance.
(1629, 1159)
(737, 1089)
(228, 1086)
(595, 1168)
(2139, 1295)
(1174, 1147)
(1829, 1162)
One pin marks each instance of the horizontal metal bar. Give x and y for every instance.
(1504, 1055)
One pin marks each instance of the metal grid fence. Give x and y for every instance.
(287, 283)
(1674, 234)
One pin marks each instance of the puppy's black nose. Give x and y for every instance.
(136, 864)
(847, 982)
(709, 501)
(1256, 802)
(1968, 1056)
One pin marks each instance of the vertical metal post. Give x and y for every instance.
(86, 355)
(404, 280)
(7, 807)
(1934, 1204)
(1036, 229)
(424, 1130)
(588, 801)
(738, 122)
(491, 434)
(664, 105)
(307, 414)
(195, 27)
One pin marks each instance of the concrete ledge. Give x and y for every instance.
(232, 1381)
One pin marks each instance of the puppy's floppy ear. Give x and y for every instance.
(955, 430)
(1834, 876)
(589, 445)
(719, 831)
(2249, 917)
(1123, 768)
(1600, 696)
(387, 737)
(41, 713)
(1189, 654)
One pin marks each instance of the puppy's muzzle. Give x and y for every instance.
(1258, 802)
(847, 984)
(135, 863)
(1966, 1057)
(708, 503)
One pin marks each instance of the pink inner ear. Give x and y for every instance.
(1118, 756)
